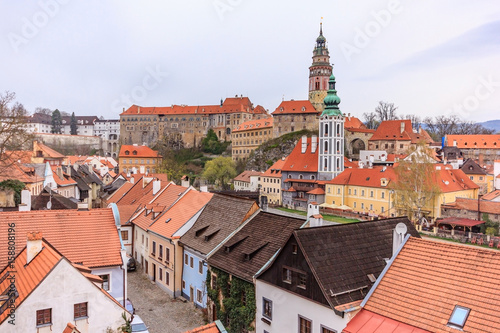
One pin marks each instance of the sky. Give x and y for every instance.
(97, 57)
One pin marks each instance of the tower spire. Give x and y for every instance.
(331, 101)
(319, 71)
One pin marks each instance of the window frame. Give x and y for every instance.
(109, 281)
(43, 314)
(267, 311)
(286, 275)
(454, 324)
(77, 308)
(306, 320)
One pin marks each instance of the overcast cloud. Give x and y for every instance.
(96, 57)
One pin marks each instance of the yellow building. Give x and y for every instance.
(138, 159)
(270, 183)
(371, 190)
(249, 136)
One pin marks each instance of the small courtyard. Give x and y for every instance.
(160, 312)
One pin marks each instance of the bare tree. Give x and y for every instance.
(45, 111)
(14, 135)
(385, 111)
(440, 126)
(370, 120)
(416, 121)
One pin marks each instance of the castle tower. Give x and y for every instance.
(319, 72)
(331, 136)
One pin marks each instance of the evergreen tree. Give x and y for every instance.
(73, 124)
(56, 122)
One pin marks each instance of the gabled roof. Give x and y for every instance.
(258, 239)
(451, 274)
(365, 177)
(317, 191)
(39, 202)
(452, 180)
(390, 130)
(27, 276)
(70, 328)
(120, 192)
(215, 327)
(245, 176)
(295, 107)
(138, 193)
(492, 195)
(13, 170)
(472, 168)
(491, 207)
(254, 125)
(275, 169)
(73, 159)
(349, 164)
(483, 141)
(216, 222)
(66, 180)
(185, 208)
(302, 162)
(87, 237)
(48, 152)
(352, 122)
(134, 151)
(342, 256)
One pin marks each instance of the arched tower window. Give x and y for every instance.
(338, 129)
(326, 146)
(317, 86)
(326, 129)
(338, 146)
(326, 163)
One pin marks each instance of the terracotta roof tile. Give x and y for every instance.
(318, 191)
(275, 169)
(209, 328)
(352, 122)
(295, 107)
(492, 195)
(88, 237)
(370, 322)
(483, 141)
(254, 125)
(349, 164)
(491, 207)
(184, 209)
(245, 176)
(391, 130)
(137, 151)
(449, 274)
(14, 170)
(365, 177)
(298, 161)
(120, 192)
(70, 328)
(49, 152)
(28, 276)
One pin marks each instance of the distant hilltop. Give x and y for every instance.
(493, 124)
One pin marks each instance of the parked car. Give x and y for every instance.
(131, 264)
(129, 306)
(138, 325)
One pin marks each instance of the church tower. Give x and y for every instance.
(331, 136)
(319, 72)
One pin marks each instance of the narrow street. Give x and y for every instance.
(160, 312)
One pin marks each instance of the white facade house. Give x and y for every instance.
(247, 181)
(281, 311)
(109, 131)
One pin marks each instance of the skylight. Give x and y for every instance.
(459, 316)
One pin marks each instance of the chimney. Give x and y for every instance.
(315, 218)
(156, 186)
(82, 206)
(33, 245)
(25, 205)
(203, 188)
(402, 126)
(314, 143)
(304, 144)
(132, 180)
(138, 109)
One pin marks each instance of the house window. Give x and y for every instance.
(142, 239)
(160, 274)
(383, 195)
(160, 252)
(267, 308)
(167, 278)
(44, 317)
(327, 330)
(167, 254)
(191, 262)
(200, 267)
(294, 249)
(458, 317)
(371, 194)
(153, 250)
(287, 275)
(80, 310)
(304, 325)
(199, 296)
(186, 259)
(105, 281)
(302, 281)
(183, 284)
(213, 283)
(362, 193)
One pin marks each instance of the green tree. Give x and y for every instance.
(16, 185)
(56, 122)
(220, 171)
(211, 144)
(416, 182)
(73, 124)
(174, 169)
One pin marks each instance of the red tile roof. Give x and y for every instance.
(14, 170)
(119, 193)
(75, 159)
(459, 221)
(391, 130)
(484, 141)
(317, 191)
(65, 180)
(353, 122)
(49, 152)
(295, 107)
(254, 125)
(349, 164)
(360, 130)
(138, 193)
(491, 207)
(365, 177)
(24, 156)
(275, 169)
(298, 161)
(70, 328)
(245, 176)
(230, 105)
(492, 195)
(209, 328)
(87, 237)
(370, 322)
(28, 276)
(452, 180)
(175, 217)
(449, 274)
(137, 152)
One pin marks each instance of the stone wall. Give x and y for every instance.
(70, 144)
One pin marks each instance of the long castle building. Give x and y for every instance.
(184, 124)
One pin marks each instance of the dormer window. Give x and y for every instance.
(134, 152)
(127, 152)
(458, 317)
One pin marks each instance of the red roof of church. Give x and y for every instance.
(291, 107)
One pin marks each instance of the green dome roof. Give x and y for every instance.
(331, 100)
